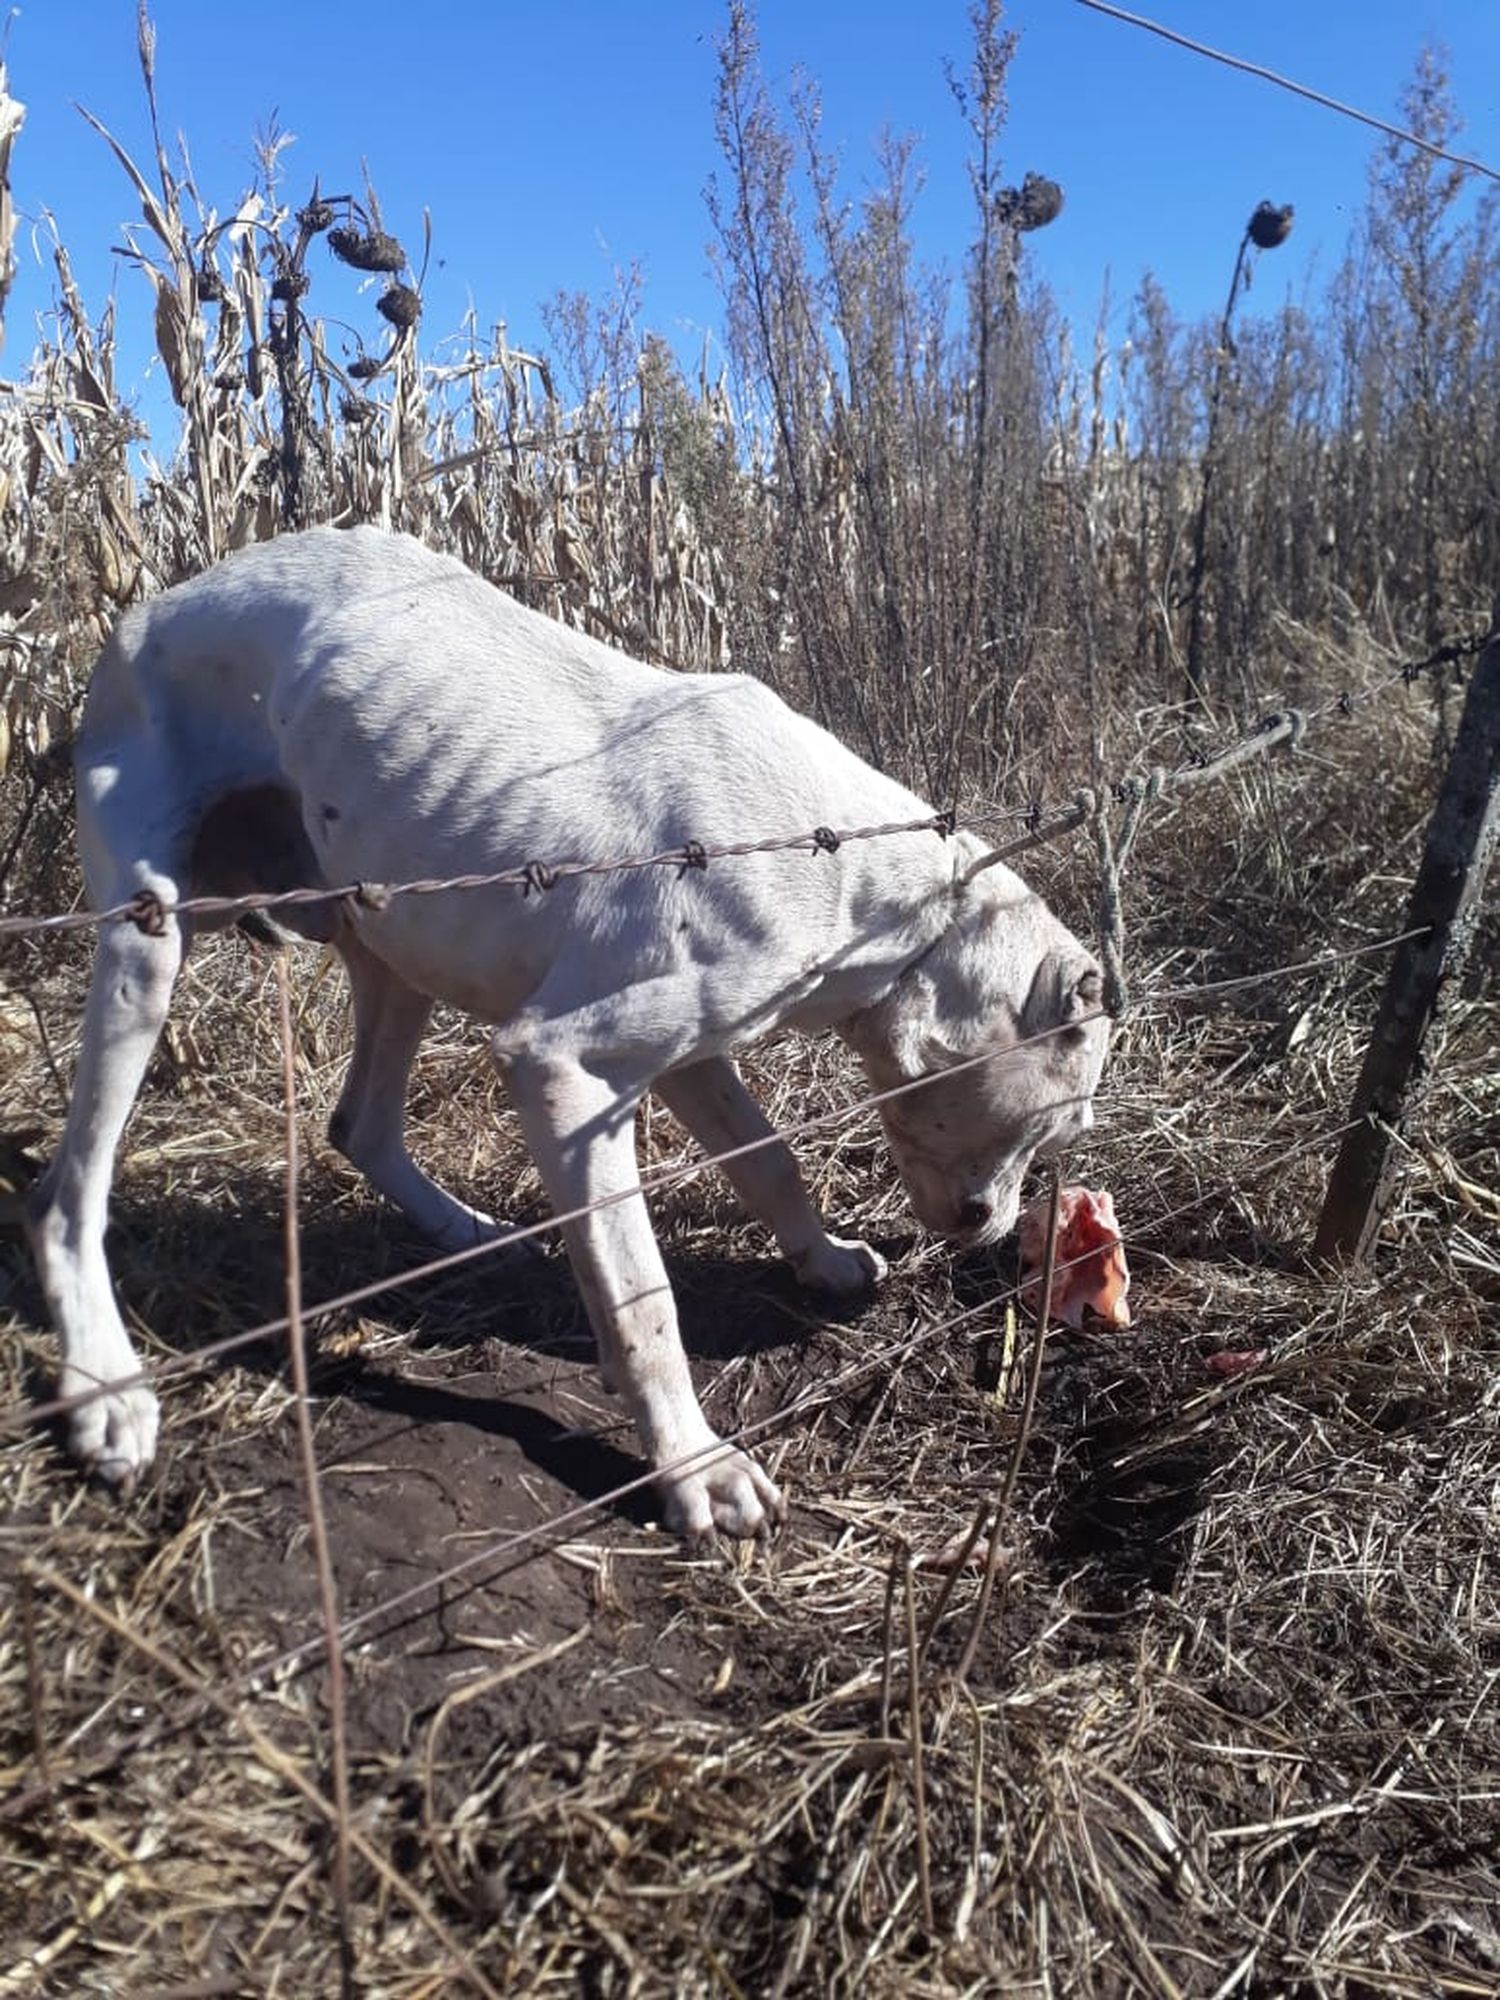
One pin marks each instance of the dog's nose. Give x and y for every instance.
(974, 1212)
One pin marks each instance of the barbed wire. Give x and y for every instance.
(149, 912)
(1142, 789)
(1290, 724)
(1448, 653)
(658, 1182)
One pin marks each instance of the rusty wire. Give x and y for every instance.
(148, 912)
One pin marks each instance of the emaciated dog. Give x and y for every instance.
(344, 706)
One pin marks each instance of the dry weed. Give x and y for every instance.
(1218, 1717)
(1227, 1718)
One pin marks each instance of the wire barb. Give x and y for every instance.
(148, 913)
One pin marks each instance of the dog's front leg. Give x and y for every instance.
(580, 1127)
(712, 1102)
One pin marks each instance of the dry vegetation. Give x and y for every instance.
(1227, 1721)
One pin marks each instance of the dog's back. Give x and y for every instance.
(364, 672)
(345, 705)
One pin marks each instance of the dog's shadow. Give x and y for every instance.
(198, 1270)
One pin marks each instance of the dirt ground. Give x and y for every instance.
(1221, 1721)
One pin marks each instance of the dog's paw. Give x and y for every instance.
(843, 1269)
(114, 1435)
(467, 1228)
(727, 1494)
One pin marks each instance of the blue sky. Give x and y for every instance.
(551, 144)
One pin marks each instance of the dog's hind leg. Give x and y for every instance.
(369, 1123)
(134, 971)
(711, 1101)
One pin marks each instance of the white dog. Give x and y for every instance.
(336, 707)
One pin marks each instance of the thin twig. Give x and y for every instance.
(26, 1597)
(1039, 1346)
(888, 1638)
(1023, 1430)
(316, 1520)
(918, 1769)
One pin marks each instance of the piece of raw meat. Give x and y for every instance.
(1091, 1274)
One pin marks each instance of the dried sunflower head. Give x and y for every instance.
(1035, 203)
(1269, 225)
(367, 251)
(400, 305)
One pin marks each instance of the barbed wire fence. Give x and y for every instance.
(1132, 792)
(1132, 795)
(1027, 828)
(148, 912)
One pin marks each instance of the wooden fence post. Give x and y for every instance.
(1444, 908)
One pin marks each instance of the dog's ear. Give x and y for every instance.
(1087, 995)
(1067, 992)
(896, 1039)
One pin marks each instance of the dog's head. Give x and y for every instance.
(1004, 981)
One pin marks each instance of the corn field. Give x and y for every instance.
(916, 509)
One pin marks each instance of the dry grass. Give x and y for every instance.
(1229, 1723)
(1220, 1716)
